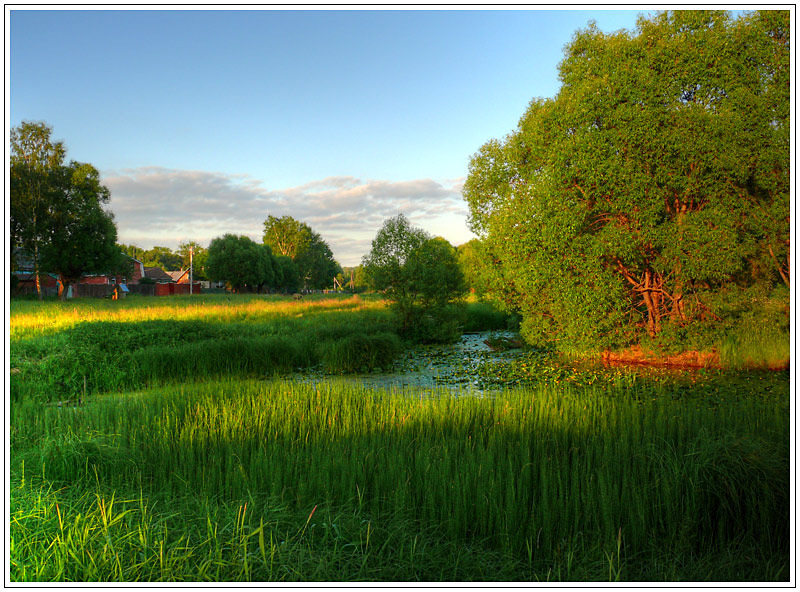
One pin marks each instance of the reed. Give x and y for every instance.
(546, 483)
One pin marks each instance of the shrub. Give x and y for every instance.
(484, 316)
(437, 324)
(360, 353)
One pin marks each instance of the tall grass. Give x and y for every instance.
(545, 484)
(132, 346)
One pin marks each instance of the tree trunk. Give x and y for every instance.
(784, 273)
(36, 269)
(63, 287)
(653, 316)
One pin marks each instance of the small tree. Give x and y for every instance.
(391, 248)
(420, 275)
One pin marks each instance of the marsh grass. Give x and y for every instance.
(150, 441)
(531, 484)
(132, 346)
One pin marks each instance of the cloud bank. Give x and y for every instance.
(158, 206)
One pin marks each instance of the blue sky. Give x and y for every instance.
(203, 122)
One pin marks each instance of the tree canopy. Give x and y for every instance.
(391, 248)
(311, 255)
(81, 235)
(420, 275)
(34, 156)
(57, 210)
(653, 191)
(240, 262)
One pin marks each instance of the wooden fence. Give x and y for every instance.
(163, 289)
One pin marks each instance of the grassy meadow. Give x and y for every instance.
(166, 440)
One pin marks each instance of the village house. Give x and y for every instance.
(179, 277)
(162, 283)
(158, 275)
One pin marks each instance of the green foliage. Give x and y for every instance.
(486, 316)
(56, 209)
(432, 274)
(287, 275)
(656, 179)
(133, 251)
(273, 480)
(81, 236)
(33, 156)
(311, 255)
(420, 275)
(587, 473)
(475, 265)
(163, 257)
(358, 352)
(431, 324)
(390, 250)
(240, 262)
(758, 331)
(99, 356)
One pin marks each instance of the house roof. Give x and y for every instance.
(23, 259)
(29, 276)
(177, 275)
(157, 274)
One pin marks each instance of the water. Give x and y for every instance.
(435, 367)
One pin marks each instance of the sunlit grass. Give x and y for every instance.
(548, 482)
(30, 318)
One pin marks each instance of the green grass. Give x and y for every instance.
(191, 462)
(548, 483)
(130, 346)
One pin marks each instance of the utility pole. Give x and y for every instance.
(191, 271)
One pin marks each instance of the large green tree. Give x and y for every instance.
(286, 236)
(391, 248)
(163, 257)
(34, 157)
(652, 189)
(240, 262)
(310, 253)
(81, 236)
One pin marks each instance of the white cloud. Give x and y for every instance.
(157, 206)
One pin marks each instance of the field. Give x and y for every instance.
(178, 440)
